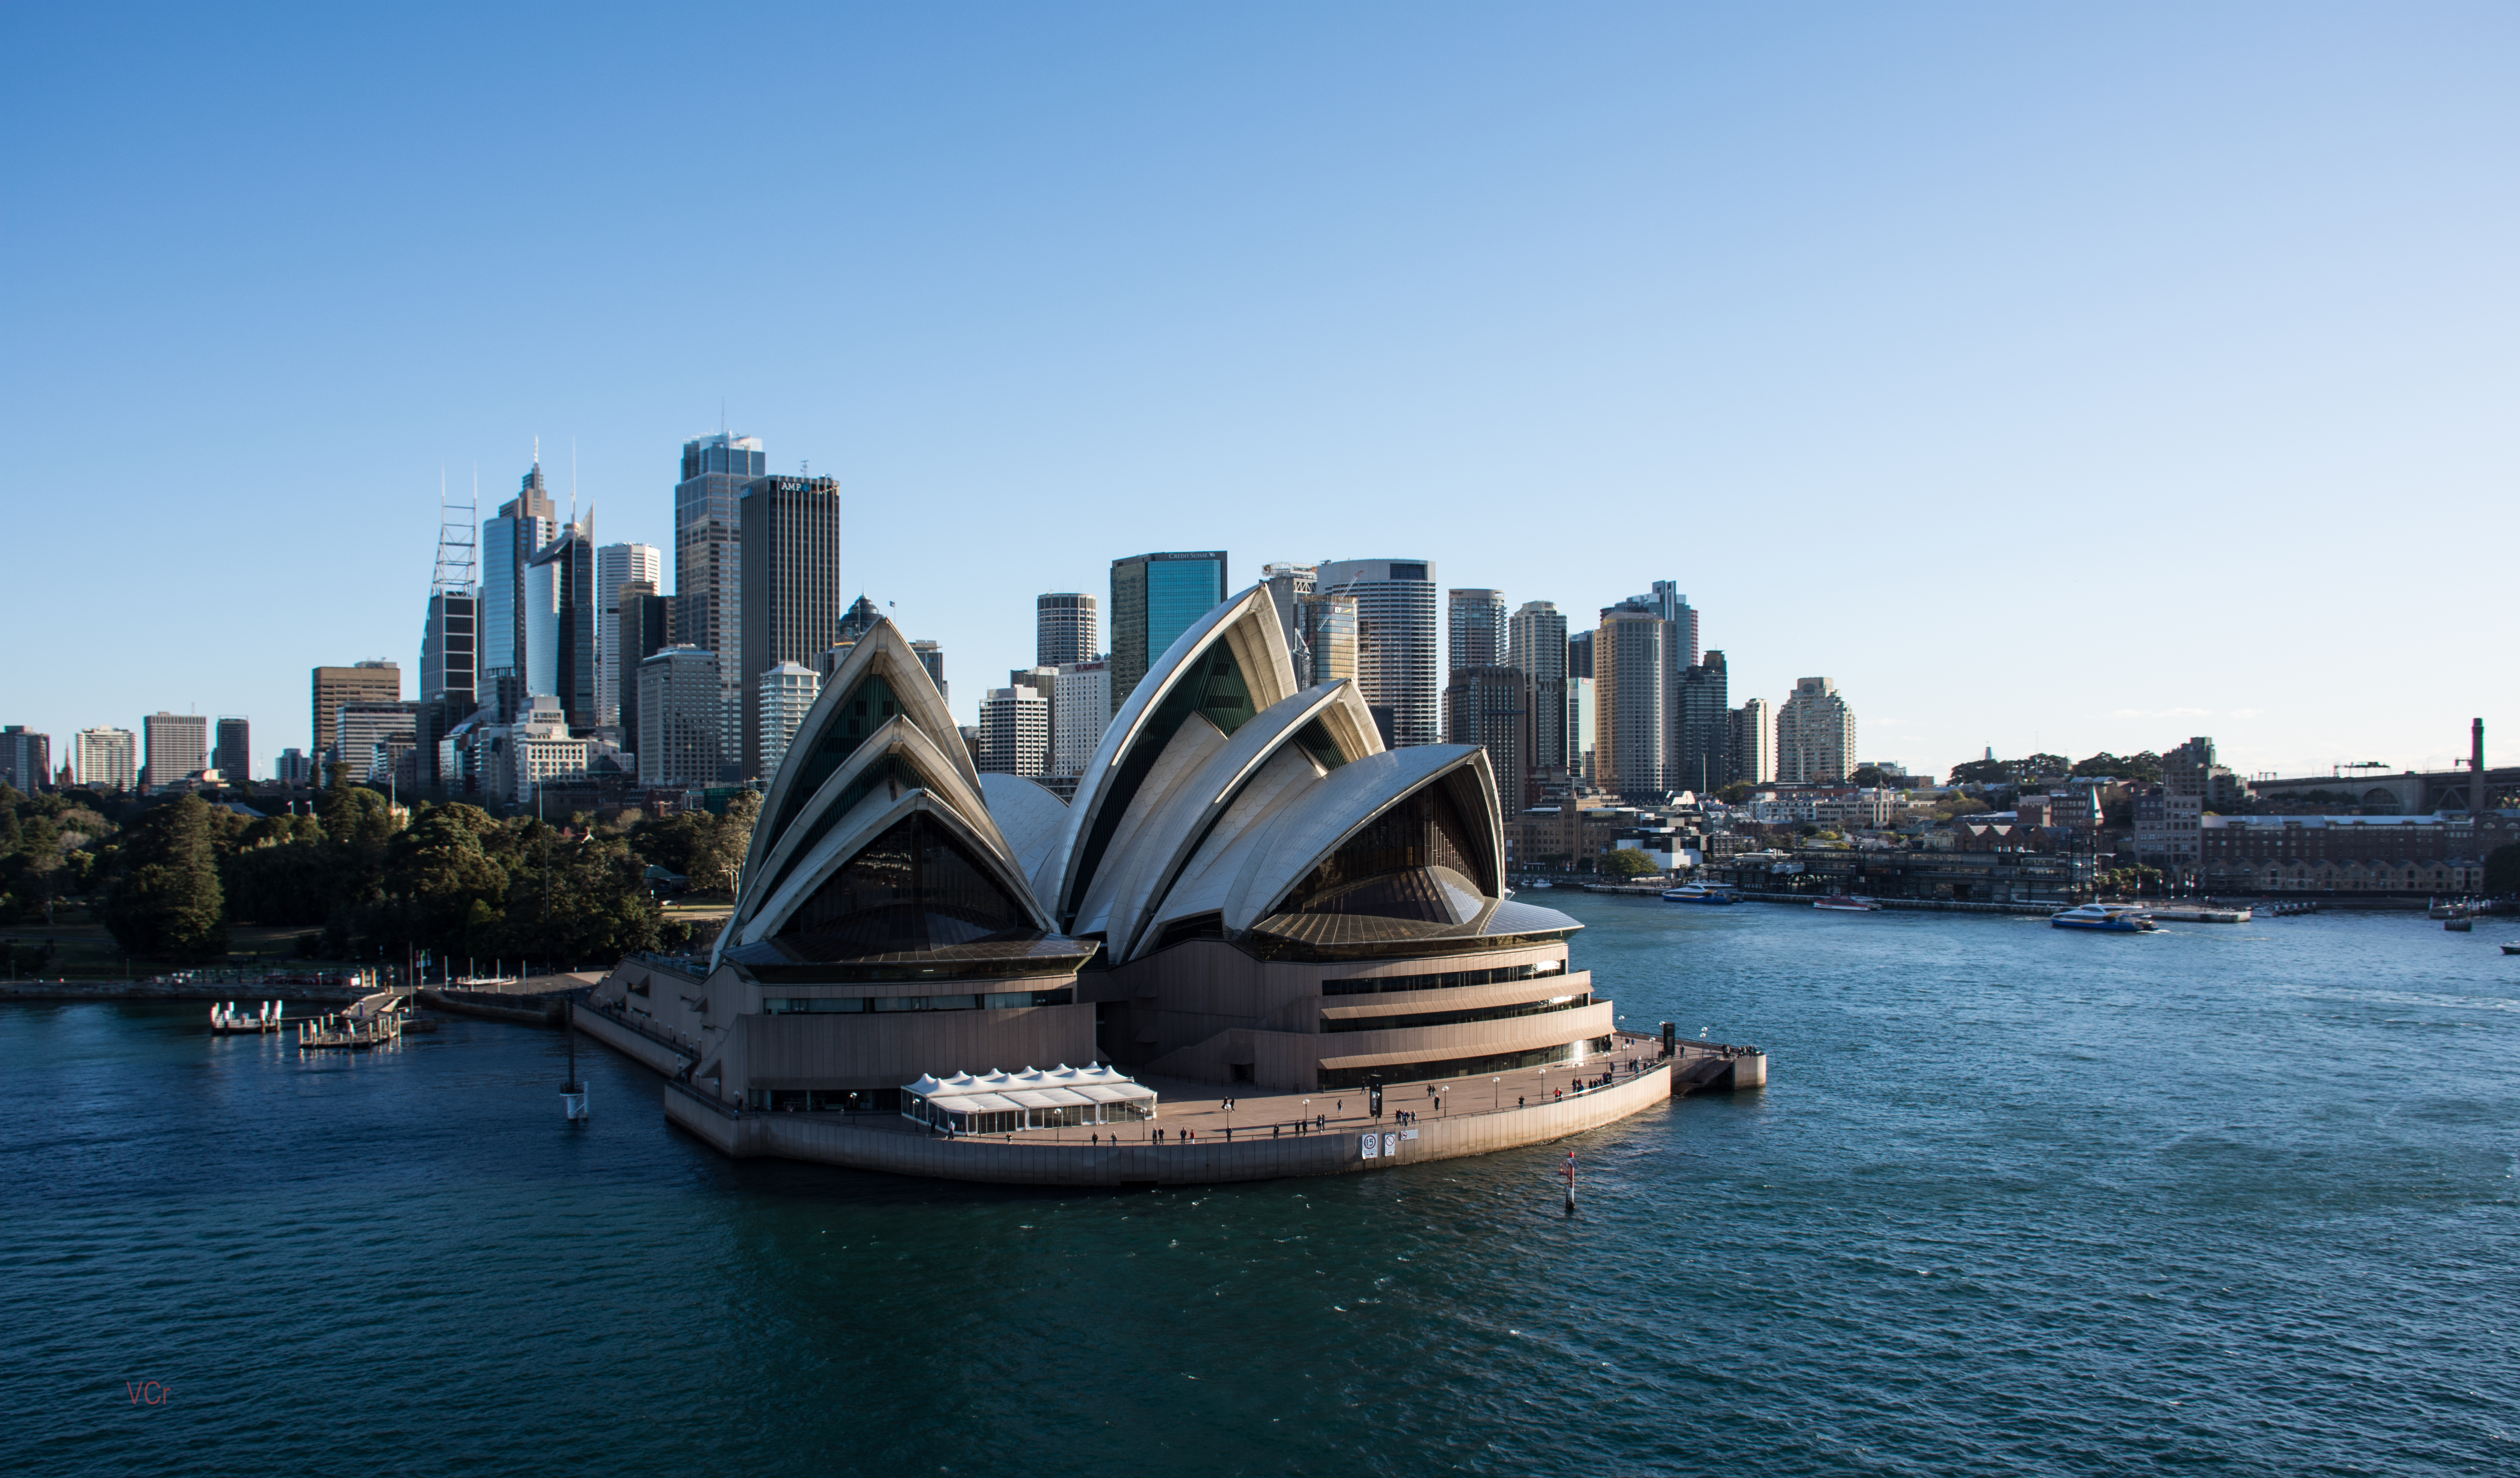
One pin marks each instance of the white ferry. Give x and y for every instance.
(2115, 919)
(1702, 893)
(1847, 903)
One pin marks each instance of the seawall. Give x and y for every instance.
(1335, 1152)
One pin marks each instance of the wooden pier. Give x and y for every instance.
(372, 1022)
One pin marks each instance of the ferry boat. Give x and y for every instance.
(1846, 903)
(2115, 919)
(1702, 893)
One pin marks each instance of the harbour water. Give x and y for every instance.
(2229, 1198)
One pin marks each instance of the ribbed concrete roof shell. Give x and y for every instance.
(881, 653)
(1246, 627)
(868, 819)
(1135, 884)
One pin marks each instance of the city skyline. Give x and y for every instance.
(2032, 335)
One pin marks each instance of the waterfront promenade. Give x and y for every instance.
(1214, 1132)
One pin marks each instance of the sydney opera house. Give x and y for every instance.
(1247, 890)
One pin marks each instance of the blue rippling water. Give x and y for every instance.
(2232, 1199)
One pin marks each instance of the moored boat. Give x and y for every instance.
(2112, 918)
(1702, 893)
(1847, 903)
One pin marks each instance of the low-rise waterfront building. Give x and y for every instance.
(1959, 877)
(2411, 855)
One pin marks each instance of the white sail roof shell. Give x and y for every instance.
(1249, 626)
(1134, 885)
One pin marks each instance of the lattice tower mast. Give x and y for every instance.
(459, 527)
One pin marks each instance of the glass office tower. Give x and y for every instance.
(1155, 599)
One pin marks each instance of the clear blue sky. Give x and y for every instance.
(2054, 377)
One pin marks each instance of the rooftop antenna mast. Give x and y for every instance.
(455, 540)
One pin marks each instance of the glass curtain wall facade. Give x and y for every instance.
(1479, 635)
(233, 755)
(790, 587)
(1329, 626)
(616, 567)
(1706, 726)
(707, 541)
(1155, 599)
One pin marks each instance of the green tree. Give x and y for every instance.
(717, 863)
(1735, 794)
(2145, 766)
(1628, 862)
(441, 889)
(583, 904)
(165, 903)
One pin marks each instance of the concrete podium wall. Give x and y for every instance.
(1338, 1151)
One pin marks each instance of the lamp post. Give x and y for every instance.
(1307, 1125)
(1496, 1092)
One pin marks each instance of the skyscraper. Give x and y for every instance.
(179, 746)
(617, 567)
(1066, 628)
(1155, 599)
(642, 627)
(678, 720)
(449, 654)
(859, 620)
(1537, 644)
(233, 756)
(1491, 707)
(1326, 621)
(786, 695)
(1080, 712)
(1815, 735)
(1398, 663)
(509, 541)
(561, 611)
(1680, 651)
(790, 586)
(932, 657)
(1754, 743)
(1479, 633)
(373, 737)
(106, 759)
(1706, 726)
(450, 634)
(1667, 602)
(1014, 732)
(372, 681)
(1290, 586)
(25, 758)
(1633, 676)
(709, 562)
